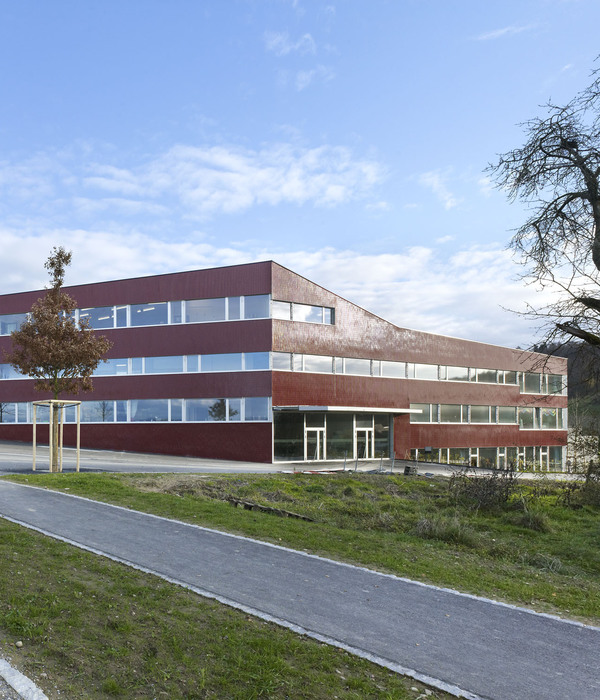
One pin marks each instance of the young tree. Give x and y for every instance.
(557, 173)
(51, 347)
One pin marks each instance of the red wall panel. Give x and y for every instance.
(244, 441)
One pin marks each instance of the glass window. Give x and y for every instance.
(488, 457)
(9, 372)
(489, 376)
(340, 433)
(137, 365)
(145, 410)
(234, 306)
(224, 362)
(458, 374)
(393, 369)
(549, 418)
(198, 409)
(338, 365)
(7, 412)
(11, 322)
(149, 314)
(288, 436)
(256, 306)
(328, 316)
(354, 365)
(122, 317)
(531, 383)
(376, 368)
(121, 411)
(176, 409)
(507, 414)
(526, 418)
(256, 360)
(555, 384)
(315, 420)
(282, 360)
(192, 363)
(256, 408)
(282, 310)
(364, 420)
(480, 414)
(318, 363)
(97, 411)
(459, 455)
(176, 311)
(170, 364)
(307, 313)
(99, 317)
(204, 310)
(297, 362)
(426, 371)
(424, 416)
(556, 458)
(234, 408)
(510, 377)
(111, 368)
(450, 413)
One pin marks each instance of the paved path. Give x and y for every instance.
(486, 649)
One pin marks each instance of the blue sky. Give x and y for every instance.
(345, 139)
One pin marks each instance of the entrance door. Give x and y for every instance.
(314, 444)
(364, 443)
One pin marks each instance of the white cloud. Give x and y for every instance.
(418, 288)
(280, 44)
(188, 182)
(504, 32)
(304, 78)
(435, 180)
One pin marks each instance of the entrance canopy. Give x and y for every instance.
(350, 409)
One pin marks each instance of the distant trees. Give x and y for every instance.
(557, 173)
(51, 347)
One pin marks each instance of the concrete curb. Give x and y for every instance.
(22, 685)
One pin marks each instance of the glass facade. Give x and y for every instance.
(527, 417)
(252, 408)
(299, 436)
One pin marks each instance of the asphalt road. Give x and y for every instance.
(485, 649)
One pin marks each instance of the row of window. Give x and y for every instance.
(170, 364)
(528, 382)
(188, 311)
(545, 458)
(528, 417)
(254, 408)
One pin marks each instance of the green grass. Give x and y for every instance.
(531, 550)
(95, 629)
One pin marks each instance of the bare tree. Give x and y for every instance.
(557, 174)
(51, 347)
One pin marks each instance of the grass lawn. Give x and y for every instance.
(122, 632)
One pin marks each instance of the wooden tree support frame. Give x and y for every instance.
(56, 405)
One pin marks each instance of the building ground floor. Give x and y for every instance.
(252, 429)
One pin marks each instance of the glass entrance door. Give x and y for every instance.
(364, 443)
(314, 444)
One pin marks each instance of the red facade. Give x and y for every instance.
(354, 333)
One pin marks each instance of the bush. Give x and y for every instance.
(483, 491)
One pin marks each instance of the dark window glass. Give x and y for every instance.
(288, 436)
(149, 314)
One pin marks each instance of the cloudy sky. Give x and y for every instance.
(346, 140)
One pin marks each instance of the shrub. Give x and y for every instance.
(483, 491)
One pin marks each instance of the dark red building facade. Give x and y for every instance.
(254, 362)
